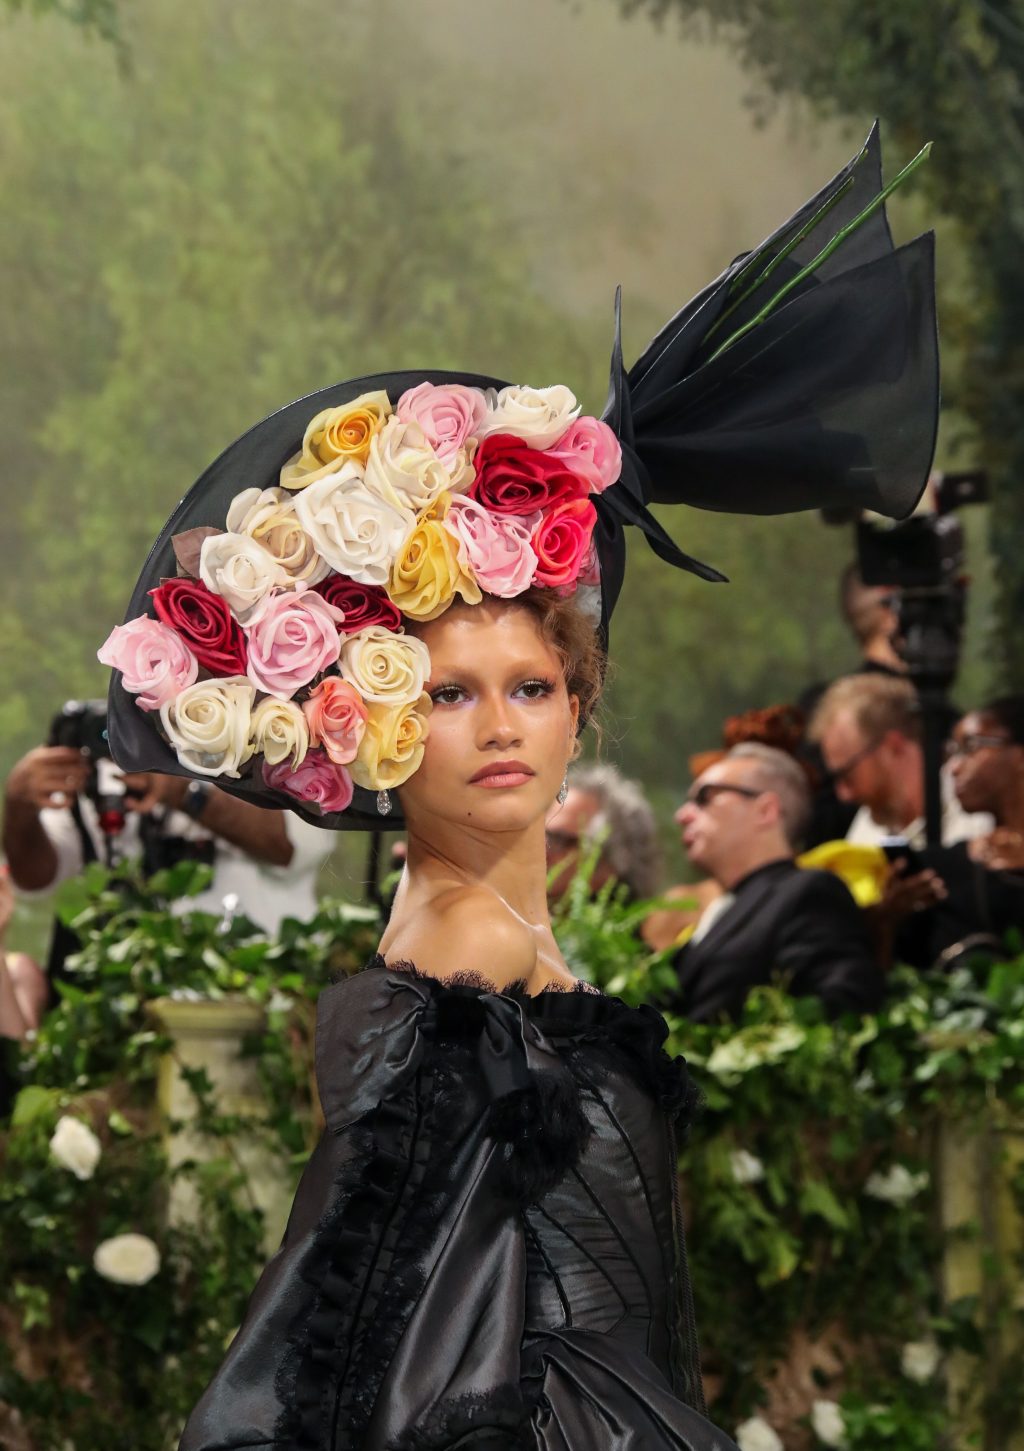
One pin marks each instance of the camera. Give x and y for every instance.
(82, 725)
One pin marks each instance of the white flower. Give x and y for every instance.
(539, 416)
(920, 1360)
(404, 470)
(746, 1167)
(757, 1435)
(279, 729)
(127, 1259)
(896, 1185)
(268, 516)
(752, 1049)
(242, 572)
(828, 1424)
(355, 530)
(386, 667)
(280, 1002)
(209, 723)
(75, 1147)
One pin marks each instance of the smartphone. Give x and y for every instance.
(899, 848)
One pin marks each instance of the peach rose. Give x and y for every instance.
(336, 716)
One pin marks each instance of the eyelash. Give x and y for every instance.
(545, 687)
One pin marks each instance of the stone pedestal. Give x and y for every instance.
(208, 1036)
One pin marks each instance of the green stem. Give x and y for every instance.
(826, 252)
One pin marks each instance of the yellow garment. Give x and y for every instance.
(862, 868)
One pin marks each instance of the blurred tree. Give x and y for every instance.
(100, 16)
(951, 71)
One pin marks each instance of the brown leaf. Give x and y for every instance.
(187, 547)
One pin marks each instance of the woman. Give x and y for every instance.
(390, 595)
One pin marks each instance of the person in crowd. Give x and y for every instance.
(23, 994)
(265, 862)
(742, 823)
(602, 806)
(869, 729)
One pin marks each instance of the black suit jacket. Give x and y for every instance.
(789, 924)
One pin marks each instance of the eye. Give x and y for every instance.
(447, 694)
(535, 689)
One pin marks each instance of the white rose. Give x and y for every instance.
(539, 416)
(746, 1168)
(828, 1424)
(386, 667)
(404, 470)
(208, 725)
(896, 1185)
(242, 572)
(757, 1435)
(127, 1259)
(75, 1147)
(355, 530)
(268, 516)
(920, 1360)
(279, 729)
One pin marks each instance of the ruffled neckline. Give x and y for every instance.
(479, 982)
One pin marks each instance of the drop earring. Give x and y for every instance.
(383, 802)
(563, 790)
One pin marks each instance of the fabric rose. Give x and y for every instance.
(450, 415)
(404, 470)
(208, 725)
(318, 781)
(336, 716)
(361, 604)
(335, 436)
(512, 478)
(589, 448)
(268, 516)
(496, 548)
(540, 416)
(127, 1259)
(294, 639)
(240, 569)
(392, 745)
(385, 668)
(204, 621)
(155, 663)
(354, 529)
(561, 540)
(428, 572)
(75, 1147)
(279, 730)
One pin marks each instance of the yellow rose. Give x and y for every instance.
(428, 574)
(335, 435)
(392, 745)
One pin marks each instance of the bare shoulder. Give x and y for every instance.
(467, 928)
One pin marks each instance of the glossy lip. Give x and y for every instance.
(502, 773)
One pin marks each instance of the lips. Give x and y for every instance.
(502, 773)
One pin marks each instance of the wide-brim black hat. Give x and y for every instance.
(805, 377)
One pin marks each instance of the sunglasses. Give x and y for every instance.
(704, 795)
(844, 770)
(971, 745)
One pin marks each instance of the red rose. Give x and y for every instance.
(561, 542)
(513, 478)
(205, 622)
(361, 604)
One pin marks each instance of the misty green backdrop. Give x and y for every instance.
(242, 202)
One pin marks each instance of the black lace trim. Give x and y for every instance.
(468, 977)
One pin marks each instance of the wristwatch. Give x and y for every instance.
(194, 801)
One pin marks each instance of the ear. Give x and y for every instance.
(574, 713)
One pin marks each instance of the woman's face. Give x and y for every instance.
(503, 724)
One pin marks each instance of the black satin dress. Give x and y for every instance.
(485, 1251)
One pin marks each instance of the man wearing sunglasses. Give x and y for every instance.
(742, 823)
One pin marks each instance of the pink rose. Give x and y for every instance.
(155, 663)
(590, 448)
(448, 413)
(495, 547)
(561, 540)
(317, 780)
(294, 639)
(336, 715)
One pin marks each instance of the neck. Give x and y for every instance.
(879, 651)
(757, 854)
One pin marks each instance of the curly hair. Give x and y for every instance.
(573, 637)
(631, 846)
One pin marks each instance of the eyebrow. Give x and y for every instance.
(462, 674)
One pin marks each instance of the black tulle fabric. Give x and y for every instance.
(830, 402)
(486, 1247)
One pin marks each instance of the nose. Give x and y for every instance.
(685, 813)
(498, 727)
(843, 790)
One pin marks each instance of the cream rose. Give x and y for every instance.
(268, 516)
(335, 436)
(539, 416)
(279, 729)
(209, 723)
(403, 468)
(431, 568)
(386, 667)
(355, 530)
(127, 1259)
(75, 1147)
(392, 745)
(240, 570)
